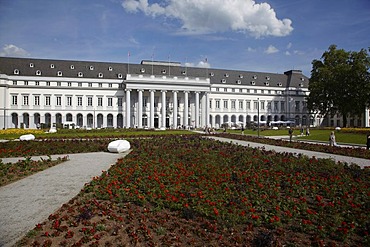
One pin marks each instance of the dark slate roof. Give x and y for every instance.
(110, 70)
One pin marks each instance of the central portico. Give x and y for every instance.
(166, 101)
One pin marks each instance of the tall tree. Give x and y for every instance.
(340, 83)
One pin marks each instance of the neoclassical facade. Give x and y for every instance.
(151, 94)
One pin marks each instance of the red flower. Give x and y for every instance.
(215, 211)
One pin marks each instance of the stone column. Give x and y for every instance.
(186, 109)
(163, 124)
(175, 109)
(196, 109)
(140, 109)
(128, 108)
(151, 108)
(207, 109)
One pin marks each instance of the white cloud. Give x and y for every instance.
(289, 45)
(250, 49)
(211, 16)
(13, 51)
(271, 49)
(203, 64)
(287, 53)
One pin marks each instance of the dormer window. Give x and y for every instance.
(52, 66)
(253, 83)
(239, 82)
(110, 68)
(240, 76)
(223, 80)
(91, 67)
(226, 75)
(16, 71)
(183, 72)
(80, 74)
(31, 65)
(280, 84)
(301, 84)
(254, 77)
(212, 74)
(302, 79)
(100, 75)
(163, 71)
(119, 75)
(267, 83)
(142, 70)
(72, 66)
(268, 78)
(38, 72)
(59, 73)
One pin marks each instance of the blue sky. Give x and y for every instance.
(267, 36)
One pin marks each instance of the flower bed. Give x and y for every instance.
(196, 192)
(347, 151)
(11, 172)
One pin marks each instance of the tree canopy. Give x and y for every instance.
(340, 83)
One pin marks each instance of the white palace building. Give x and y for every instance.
(151, 94)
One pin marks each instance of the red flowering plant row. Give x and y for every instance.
(347, 151)
(48, 147)
(173, 190)
(10, 172)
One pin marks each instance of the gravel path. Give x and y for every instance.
(361, 162)
(29, 201)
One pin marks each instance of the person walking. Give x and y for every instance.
(307, 131)
(290, 134)
(332, 141)
(242, 129)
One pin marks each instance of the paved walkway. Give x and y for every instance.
(30, 201)
(361, 162)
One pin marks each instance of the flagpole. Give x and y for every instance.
(152, 61)
(128, 63)
(169, 66)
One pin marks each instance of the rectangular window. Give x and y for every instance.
(248, 105)
(14, 100)
(210, 104)
(79, 100)
(226, 104)
(269, 105)
(48, 83)
(110, 101)
(59, 84)
(233, 104)
(80, 84)
(100, 101)
(14, 82)
(297, 106)
(217, 89)
(262, 105)
(25, 99)
(282, 106)
(37, 83)
(36, 100)
(110, 85)
(276, 106)
(241, 105)
(69, 84)
(145, 101)
(89, 101)
(255, 105)
(59, 100)
(26, 83)
(100, 84)
(47, 100)
(69, 100)
(119, 102)
(217, 104)
(90, 84)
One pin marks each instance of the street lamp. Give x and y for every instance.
(258, 117)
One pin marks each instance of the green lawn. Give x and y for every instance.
(321, 135)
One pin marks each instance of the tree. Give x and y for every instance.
(340, 83)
